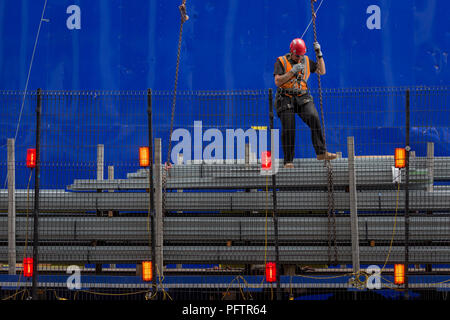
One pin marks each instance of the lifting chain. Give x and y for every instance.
(167, 165)
(331, 211)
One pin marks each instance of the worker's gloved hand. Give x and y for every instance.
(296, 68)
(317, 49)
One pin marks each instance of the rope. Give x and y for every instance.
(36, 40)
(331, 211)
(310, 21)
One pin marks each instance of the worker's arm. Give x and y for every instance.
(321, 67)
(320, 62)
(283, 78)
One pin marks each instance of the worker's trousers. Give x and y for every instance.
(308, 113)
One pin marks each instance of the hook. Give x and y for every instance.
(184, 16)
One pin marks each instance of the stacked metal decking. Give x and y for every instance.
(307, 174)
(219, 230)
(240, 188)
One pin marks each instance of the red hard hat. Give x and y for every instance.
(298, 47)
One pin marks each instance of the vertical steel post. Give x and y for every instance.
(158, 215)
(151, 186)
(111, 212)
(274, 198)
(34, 294)
(353, 203)
(111, 175)
(11, 208)
(407, 147)
(430, 183)
(430, 166)
(100, 176)
(100, 161)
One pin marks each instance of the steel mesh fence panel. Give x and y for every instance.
(222, 207)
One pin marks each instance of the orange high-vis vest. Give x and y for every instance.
(299, 82)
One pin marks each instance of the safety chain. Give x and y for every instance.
(167, 165)
(331, 211)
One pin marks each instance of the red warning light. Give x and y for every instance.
(266, 160)
(271, 272)
(28, 267)
(144, 156)
(147, 271)
(399, 274)
(31, 158)
(400, 157)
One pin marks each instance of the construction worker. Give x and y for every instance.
(291, 74)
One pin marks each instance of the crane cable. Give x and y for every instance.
(331, 211)
(167, 165)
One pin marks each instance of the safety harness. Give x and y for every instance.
(297, 85)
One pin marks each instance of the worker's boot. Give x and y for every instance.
(289, 165)
(327, 156)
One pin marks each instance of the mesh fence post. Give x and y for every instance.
(34, 293)
(157, 224)
(430, 175)
(430, 166)
(151, 185)
(11, 207)
(100, 175)
(274, 198)
(407, 114)
(353, 204)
